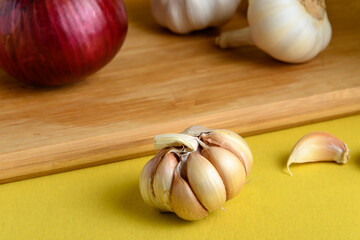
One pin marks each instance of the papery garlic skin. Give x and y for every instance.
(195, 172)
(146, 181)
(232, 142)
(184, 16)
(205, 182)
(292, 31)
(231, 170)
(184, 201)
(319, 147)
(163, 179)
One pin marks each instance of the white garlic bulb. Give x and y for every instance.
(292, 31)
(184, 16)
(195, 172)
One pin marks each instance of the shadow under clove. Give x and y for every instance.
(127, 202)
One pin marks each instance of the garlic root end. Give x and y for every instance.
(345, 156)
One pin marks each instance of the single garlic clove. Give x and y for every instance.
(205, 182)
(229, 167)
(176, 140)
(163, 179)
(146, 181)
(233, 142)
(183, 200)
(318, 146)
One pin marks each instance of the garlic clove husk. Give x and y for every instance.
(175, 140)
(146, 181)
(205, 182)
(232, 142)
(163, 179)
(196, 131)
(291, 31)
(319, 146)
(229, 167)
(183, 200)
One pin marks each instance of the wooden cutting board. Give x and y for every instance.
(163, 83)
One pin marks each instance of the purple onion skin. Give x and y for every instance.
(56, 42)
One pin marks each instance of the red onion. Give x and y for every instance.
(55, 42)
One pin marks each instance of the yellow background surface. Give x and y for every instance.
(321, 200)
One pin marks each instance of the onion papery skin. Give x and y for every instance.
(56, 42)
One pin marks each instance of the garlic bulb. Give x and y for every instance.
(292, 31)
(195, 171)
(184, 16)
(319, 147)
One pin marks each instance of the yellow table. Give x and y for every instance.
(321, 200)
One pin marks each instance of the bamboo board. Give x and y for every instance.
(163, 83)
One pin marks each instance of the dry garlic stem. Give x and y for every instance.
(318, 146)
(292, 31)
(195, 172)
(184, 16)
(166, 140)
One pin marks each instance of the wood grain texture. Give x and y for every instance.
(162, 83)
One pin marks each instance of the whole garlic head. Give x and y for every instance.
(184, 16)
(195, 172)
(292, 31)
